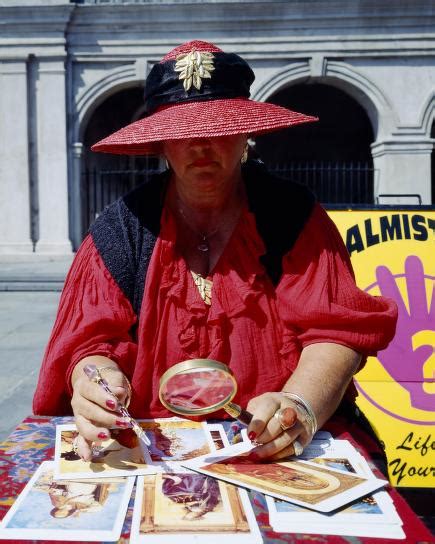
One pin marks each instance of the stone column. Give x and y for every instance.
(77, 233)
(52, 158)
(14, 166)
(403, 167)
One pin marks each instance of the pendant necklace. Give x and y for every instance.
(203, 246)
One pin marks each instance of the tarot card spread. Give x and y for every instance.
(79, 510)
(307, 484)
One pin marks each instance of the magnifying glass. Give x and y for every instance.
(200, 386)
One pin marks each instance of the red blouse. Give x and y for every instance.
(255, 328)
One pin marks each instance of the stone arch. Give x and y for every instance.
(121, 78)
(428, 116)
(121, 86)
(428, 127)
(342, 76)
(333, 158)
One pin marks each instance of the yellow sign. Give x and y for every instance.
(393, 254)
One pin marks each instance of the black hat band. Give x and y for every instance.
(197, 76)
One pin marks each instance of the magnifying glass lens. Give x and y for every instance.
(198, 389)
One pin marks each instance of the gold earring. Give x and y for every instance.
(244, 157)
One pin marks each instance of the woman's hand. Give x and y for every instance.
(95, 410)
(276, 424)
(322, 397)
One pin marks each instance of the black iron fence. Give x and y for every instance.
(333, 182)
(102, 187)
(347, 183)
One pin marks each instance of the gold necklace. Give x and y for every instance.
(204, 286)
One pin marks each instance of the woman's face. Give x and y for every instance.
(205, 166)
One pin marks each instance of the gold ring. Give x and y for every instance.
(279, 415)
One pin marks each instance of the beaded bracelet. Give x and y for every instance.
(111, 368)
(304, 405)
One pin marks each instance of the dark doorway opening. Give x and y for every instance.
(106, 177)
(332, 156)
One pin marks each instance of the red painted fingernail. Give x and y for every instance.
(111, 404)
(252, 436)
(102, 436)
(122, 423)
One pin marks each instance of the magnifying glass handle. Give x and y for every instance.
(234, 410)
(94, 375)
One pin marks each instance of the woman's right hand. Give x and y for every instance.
(94, 409)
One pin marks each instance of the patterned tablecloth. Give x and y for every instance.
(32, 442)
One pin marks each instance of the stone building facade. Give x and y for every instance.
(61, 61)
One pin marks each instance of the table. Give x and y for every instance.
(32, 442)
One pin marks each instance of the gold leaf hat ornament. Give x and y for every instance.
(193, 67)
(198, 91)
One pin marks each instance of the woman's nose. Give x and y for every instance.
(199, 142)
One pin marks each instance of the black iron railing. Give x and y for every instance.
(102, 187)
(333, 182)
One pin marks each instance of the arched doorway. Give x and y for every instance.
(105, 177)
(331, 156)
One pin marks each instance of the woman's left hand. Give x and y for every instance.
(322, 396)
(275, 426)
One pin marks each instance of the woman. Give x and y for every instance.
(214, 258)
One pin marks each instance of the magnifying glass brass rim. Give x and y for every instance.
(190, 365)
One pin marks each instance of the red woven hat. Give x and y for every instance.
(198, 91)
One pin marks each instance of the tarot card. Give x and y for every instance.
(322, 435)
(176, 440)
(218, 436)
(319, 488)
(373, 515)
(329, 448)
(80, 510)
(380, 530)
(120, 455)
(191, 507)
(375, 508)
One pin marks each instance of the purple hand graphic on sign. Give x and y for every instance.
(410, 357)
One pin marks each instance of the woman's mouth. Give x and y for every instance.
(200, 163)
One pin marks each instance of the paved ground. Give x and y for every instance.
(26, 319)
(33, 273)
